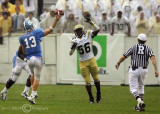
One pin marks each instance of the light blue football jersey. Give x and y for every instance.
(31, 41)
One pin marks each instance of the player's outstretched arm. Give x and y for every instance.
(73, 48)
(96, 29)
(120, 61)
(153, 59)
(88, 20)
(48, 31)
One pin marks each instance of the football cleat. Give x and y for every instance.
(24, 94)
(141, 105)
(36, 95)
(91, 100)
(31, 99)
(4, 95)
(136, 108)
(98, 97)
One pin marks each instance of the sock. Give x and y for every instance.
(97, 84)
(4, 90)
(89, 90)
(139, 100)
(141, 96)
(26, 89)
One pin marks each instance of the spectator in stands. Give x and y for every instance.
(85, 24)
(155, 27)
(40, 7)
(5, 25)
(13, 1)
(104, 23)
(152, 19)
(69, 24)
(29, 6)
(18, 4)
(142, 24)
(114, 6)
(119, 24)
(35, 21)
(7, 5)
(44, 15)
(46, 23)
(17, 20)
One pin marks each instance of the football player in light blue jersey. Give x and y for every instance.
(32, 48)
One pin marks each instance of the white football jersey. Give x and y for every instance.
(105, 25)
(84, 46)
(120, 24)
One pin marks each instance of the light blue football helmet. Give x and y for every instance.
(28, 25)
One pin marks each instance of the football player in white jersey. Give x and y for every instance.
(119, 24)
(88, 65)
(104, 23)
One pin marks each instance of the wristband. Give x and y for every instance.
(51, 28)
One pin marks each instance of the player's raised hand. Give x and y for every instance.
(117, 66)
(156, 73)
(59, 14)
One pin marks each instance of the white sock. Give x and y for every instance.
(139, 100)
(26, 89)
(4, 90)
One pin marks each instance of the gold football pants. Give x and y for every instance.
(89, 67)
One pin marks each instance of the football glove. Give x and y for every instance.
(74, 45)
(88, 18)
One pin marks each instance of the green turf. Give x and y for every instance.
(69, 99)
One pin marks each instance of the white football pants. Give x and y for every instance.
(17, 66)
(35, 64)
(137, 80)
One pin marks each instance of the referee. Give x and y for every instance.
(140, 54)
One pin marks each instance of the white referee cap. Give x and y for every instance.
(142, 37)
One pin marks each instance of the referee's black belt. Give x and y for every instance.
(134, 68)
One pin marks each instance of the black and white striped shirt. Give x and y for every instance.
(140, 54)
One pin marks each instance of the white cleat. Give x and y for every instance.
(24, 94)
(31, 100)
(4, 95)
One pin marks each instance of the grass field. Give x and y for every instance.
(69, 99)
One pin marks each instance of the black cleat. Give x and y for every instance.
(91, 100)
(98, 97)
(136, 108)
(142, 106)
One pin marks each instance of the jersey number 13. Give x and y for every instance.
(33, 44)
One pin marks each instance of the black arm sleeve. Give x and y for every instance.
(94, 33)
(20, 53)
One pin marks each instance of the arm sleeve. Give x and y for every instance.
(128, 53)
(21, 41)
(39, 32)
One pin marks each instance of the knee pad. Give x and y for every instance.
(84, 72)
(29, 78)
(37, 77)
(17, 70)
(94, 73)
(10, 82)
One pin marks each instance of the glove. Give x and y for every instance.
(87, 17)
(74, 45)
